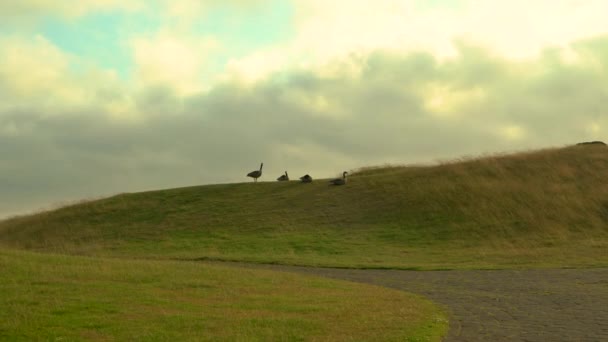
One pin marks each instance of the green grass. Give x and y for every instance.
(48, 297)
(544, 208)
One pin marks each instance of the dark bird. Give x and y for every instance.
(256, 174)
(339, 181)
(284, 177)
(306, 179)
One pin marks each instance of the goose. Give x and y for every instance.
(256, 174)
(339, 181)
(306, 179)
(284, 177)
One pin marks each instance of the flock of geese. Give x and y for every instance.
(304, 179)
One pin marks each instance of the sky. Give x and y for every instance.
(99, 97)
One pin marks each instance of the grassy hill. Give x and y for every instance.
(540, 208)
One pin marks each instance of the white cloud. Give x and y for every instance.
(184, 13)
(329, 30)
(170, 59)
(513, 132)
(24, 11)
(517, 28)
(35, 73)
(444, 100)
(594, 128)
(256, 66)
(189, 8)
(31, 66)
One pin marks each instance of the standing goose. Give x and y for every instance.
(339, 181)
(306, 179)
(284, 177)
(256, 174)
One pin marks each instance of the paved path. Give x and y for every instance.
(509, 305)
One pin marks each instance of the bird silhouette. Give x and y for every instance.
(284, 177)
(306, 179)
(256, 174)
(339, 181)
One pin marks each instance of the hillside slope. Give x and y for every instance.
(540, 208)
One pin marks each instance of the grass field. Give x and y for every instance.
(53, 297)
(545, 208)
(124, 267)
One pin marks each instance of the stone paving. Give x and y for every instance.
(506, 305)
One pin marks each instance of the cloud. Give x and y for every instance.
(516, 28)
(189, 9)
(373, 108)
(330, 30)
(24, 12)
(37, 74)
(168, 58)
(30, 68)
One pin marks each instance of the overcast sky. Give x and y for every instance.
(99, 97)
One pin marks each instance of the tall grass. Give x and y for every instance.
(539, 208)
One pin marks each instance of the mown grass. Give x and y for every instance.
(56, 297)
(545, 208)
